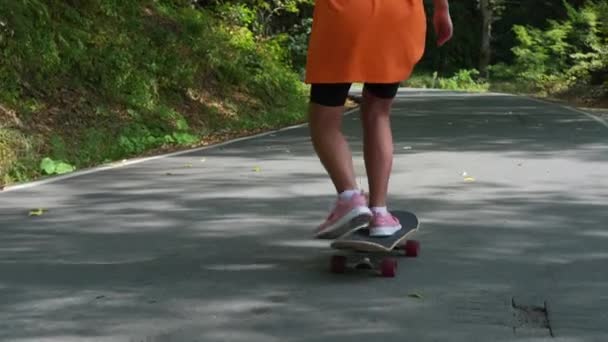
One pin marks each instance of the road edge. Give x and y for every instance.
(133, 161)
(594, 117)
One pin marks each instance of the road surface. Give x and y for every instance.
(215, 244)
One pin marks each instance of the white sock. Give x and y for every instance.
(348, 194)
(379, 210)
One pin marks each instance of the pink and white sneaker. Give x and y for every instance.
(346, 216)
(383, 225)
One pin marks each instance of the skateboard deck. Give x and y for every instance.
(375, 252)
(359, 240)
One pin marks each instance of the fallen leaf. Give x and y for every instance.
(188, 165)
(257, 169)
(203, 160)
(469, 179)
(415, 295)
(38, 212)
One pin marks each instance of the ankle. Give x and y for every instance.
(348, 194)
(377, 210)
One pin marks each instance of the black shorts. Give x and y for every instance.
(335, 94)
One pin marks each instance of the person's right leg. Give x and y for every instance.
(378, 153)
(325, 122)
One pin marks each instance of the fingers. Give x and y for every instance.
(444, 33)
(444, 38)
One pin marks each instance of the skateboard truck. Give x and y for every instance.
(376, 253)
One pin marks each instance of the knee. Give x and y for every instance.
(375, 107)
(379, 97)
(324, 118)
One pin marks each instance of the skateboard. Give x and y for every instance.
(361, 251)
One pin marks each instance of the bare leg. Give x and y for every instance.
(331, 146)
(377, 146)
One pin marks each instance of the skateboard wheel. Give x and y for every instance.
(388, 267)
(412, 248)
(338, 264)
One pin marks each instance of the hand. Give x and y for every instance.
(443, 25)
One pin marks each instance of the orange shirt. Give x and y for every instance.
(375, 41)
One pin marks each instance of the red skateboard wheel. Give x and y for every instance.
(388, 267)
(412, 248)
(338, 264)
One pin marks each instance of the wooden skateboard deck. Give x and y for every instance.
(359, 240)
(376, 252)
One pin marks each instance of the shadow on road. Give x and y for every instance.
(182, 249)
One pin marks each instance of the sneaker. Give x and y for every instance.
(384, 225)
(346, 216)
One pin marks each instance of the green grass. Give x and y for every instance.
(16, 151)
(107, 80)
(463, 80)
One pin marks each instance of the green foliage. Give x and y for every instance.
(114, 78)
(238, 14)
(463, 80)
(55, 167)
(288, 20)
(422, 80)
(59, 149)
(566, 53)
(260, 16)
(537, 49)
(297, 44)
(93, 147)
(589, 53)
(15, 149)
(126, 70)
(139, 137)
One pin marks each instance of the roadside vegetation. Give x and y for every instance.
(91, 82)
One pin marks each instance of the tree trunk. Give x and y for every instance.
(487, 15)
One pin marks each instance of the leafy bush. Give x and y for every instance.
(424, 80)
(568, 52)
(15, 155)
(462, 80)
(110, 79)
(297, 44)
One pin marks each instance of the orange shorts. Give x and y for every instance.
(376, 41)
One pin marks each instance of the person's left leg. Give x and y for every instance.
(378, 153)
(325, 113)
(325, 117)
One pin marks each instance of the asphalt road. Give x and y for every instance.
(215, 244)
